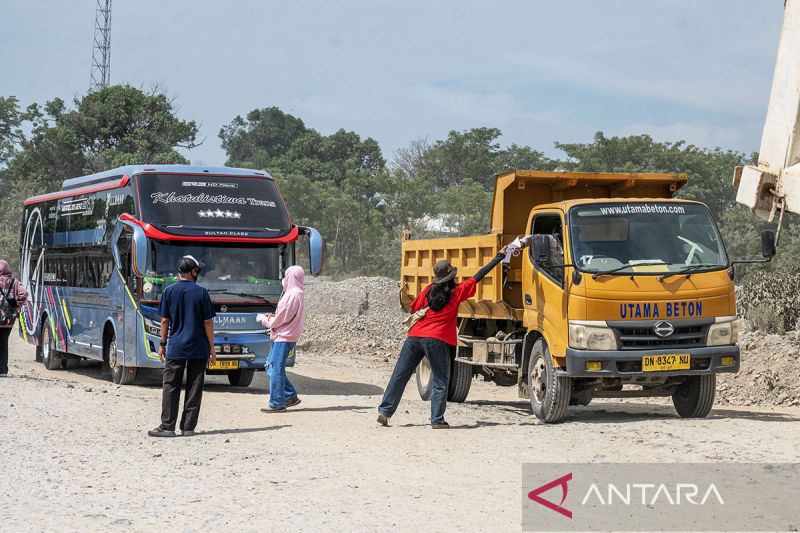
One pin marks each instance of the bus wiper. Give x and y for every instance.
(629, 265)
(240, 294)
(688, 270)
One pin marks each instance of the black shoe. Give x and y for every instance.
(441, 425)
(273, 410)
(161, 432)
(187, 433)
(291, 402)
(383, 420)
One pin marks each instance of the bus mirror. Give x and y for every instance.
(767, 244)
(139, 246)
(316, 250)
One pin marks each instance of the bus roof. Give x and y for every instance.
(118, 177)
(130, 170)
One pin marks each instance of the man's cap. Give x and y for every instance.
(187, 263)
(443, 271)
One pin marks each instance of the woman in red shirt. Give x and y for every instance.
(431, 337)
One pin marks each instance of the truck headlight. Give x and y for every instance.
(152, 327)
(724, 332)
(585, 337)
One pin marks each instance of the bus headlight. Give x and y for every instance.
(584, 337)
(725, 332)
(152, 327)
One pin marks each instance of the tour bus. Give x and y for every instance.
(97, 255)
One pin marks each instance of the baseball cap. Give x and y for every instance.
(187, 263)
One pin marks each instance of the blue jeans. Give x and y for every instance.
(280, 388)
(414, 349)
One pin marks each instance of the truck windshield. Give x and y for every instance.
(649, 237)
(232, 273)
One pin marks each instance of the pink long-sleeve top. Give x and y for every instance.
(18, 291)
(290, 315)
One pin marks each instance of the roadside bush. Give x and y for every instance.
(771, 300)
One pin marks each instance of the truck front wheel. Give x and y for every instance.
(694, 398)
(242, 377)
(549, 393)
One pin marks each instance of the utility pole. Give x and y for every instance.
(101, 52)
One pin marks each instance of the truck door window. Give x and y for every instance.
(550, 225)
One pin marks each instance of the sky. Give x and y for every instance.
(540, 71)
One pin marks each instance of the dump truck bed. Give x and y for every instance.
(516, 193)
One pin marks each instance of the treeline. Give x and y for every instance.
(341, 183)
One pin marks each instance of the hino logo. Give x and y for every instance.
(223, 308)
(663, 329)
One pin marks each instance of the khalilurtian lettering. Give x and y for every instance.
(202, 198)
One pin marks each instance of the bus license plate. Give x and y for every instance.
(656, 363)
(224, 364)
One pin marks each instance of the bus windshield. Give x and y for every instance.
(231, 272)
(655, 237)
(249, 205)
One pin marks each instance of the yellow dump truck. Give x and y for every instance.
(624, 291)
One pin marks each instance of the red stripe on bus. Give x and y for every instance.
(77, 192)
(155, 233)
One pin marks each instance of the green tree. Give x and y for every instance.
(107, 128)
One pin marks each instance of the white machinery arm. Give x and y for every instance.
(774, 184)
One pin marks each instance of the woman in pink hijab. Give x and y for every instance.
(12, 297)
(285, 326)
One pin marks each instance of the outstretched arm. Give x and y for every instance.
(488, 267)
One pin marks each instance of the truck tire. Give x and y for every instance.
(423, 375)
(694, 398)
(120, 374)
(549, 393)
(242, 377)
(460, 382)
(51, 357)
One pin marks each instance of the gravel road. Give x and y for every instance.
(75, 454)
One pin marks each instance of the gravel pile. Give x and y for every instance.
(356, 322)
(769, 374)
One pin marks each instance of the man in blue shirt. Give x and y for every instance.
(188, 316)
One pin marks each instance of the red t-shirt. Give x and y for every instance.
(441, 324)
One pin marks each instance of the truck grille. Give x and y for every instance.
(636, 338)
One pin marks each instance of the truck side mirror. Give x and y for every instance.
(768, 244)
(541, 249)
(316, 249)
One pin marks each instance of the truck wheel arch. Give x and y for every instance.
(527, 346)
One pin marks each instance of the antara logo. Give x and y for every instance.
(535, 495)
(628, 494)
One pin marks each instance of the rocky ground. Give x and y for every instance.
(76, 457)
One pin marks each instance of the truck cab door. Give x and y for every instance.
(545, 298)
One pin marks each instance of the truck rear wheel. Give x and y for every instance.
(549, 393)
(460, 382)
(423, 375)
(694, 398)
(242, 377)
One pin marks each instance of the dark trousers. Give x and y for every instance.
(414, 349)
(4, 334)
(171, 396)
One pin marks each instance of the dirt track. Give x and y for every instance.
(75, 454)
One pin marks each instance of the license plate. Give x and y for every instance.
(224, 364)
(657, 363)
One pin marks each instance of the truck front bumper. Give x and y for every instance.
(628, 363)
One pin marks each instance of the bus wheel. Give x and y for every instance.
(121, 375)
(242, 377)
(694, 398)
(549, 393)
(51, 358)
(424, 379)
